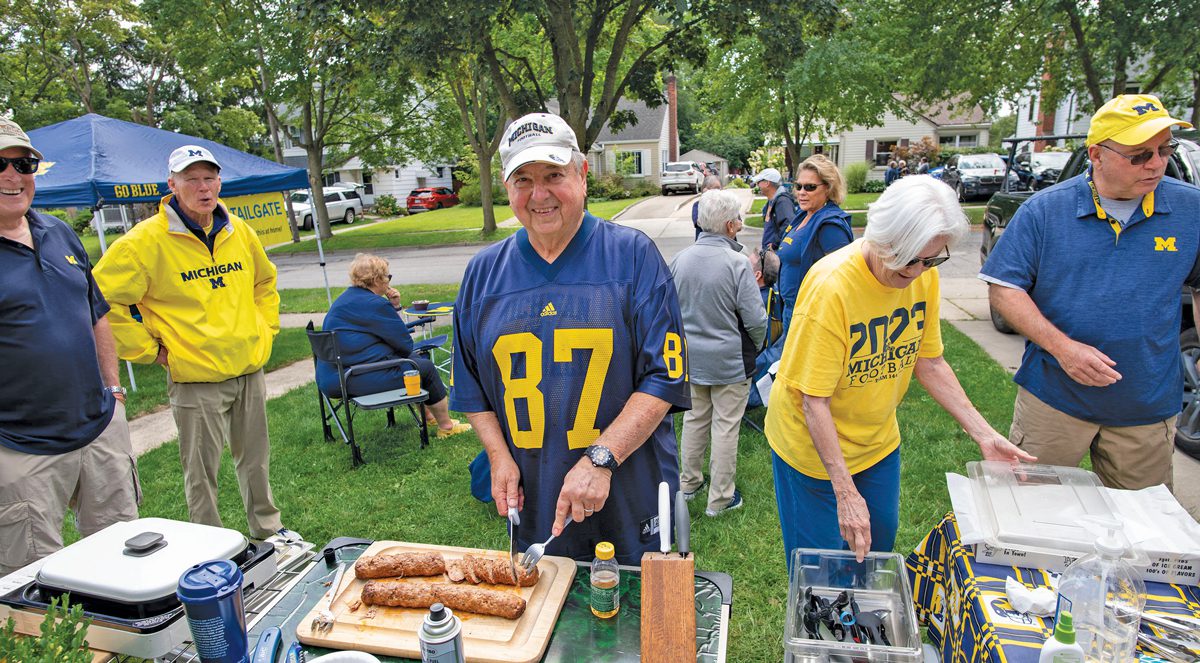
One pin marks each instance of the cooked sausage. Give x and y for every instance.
(401, 565)
(476, 570)
(424, 594)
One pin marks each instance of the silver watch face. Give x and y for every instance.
(600, 456)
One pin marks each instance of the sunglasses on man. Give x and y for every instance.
(930, 262)
(1144, 157)
(23, 165)
(810, 187)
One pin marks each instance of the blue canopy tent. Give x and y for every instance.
(96, 161)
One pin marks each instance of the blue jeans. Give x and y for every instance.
(808, 508)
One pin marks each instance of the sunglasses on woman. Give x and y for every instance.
(1144, 157)
(23, 165)
(810, 187)
(930, 262)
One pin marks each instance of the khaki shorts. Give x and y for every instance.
(1127, 457)
(98, 482)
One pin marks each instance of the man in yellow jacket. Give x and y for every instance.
(205, 292)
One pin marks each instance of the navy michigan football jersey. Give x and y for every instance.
(556, 350)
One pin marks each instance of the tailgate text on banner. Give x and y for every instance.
(266, 213)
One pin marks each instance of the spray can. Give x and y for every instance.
(441, 636)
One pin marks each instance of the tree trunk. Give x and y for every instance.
(485, 195)
(273, 125)
(315, 165)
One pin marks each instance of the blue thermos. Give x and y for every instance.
(211, 593)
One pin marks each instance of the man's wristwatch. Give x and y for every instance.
(115, 389)
(601, 456)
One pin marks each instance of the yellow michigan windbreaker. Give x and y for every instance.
(216, 315)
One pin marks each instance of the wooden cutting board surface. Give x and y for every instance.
(486, 639)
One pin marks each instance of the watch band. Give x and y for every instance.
(115, 389)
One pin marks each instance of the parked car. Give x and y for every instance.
(430, 198)
(342, 203)
(685, 175)
(1184, 165)
(974, 175)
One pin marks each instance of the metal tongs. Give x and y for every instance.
(514, 520)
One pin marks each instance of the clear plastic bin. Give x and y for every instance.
(879, 582)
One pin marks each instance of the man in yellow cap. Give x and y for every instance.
(1089, 271)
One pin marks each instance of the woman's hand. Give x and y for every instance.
(393, 297)
(995, 446)
(854, 521)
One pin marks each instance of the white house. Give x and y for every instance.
(951, 129)
(397, 180)
(643, 146)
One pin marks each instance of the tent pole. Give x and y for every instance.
(98, 221)
(324, 273)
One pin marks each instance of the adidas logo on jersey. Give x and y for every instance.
(549, 310)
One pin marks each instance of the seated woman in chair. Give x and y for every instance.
(370, 330)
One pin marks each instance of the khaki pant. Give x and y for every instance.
(1127, 457)
(716, 414)
(98, 482)
(208, 414)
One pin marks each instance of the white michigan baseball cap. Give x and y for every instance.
(187, 155)
(539, 137)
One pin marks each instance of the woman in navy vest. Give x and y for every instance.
(818, 229)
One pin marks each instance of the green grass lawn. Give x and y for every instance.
(91, 243)
(406, 494)
(454, 225)
(290, 345)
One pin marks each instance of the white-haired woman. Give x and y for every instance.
(725, 323)
(866, 321)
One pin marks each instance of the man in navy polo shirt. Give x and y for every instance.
(64, 440)
(1090, 271)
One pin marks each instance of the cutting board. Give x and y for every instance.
(486, 639)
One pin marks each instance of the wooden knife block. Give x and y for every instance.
(668, 608)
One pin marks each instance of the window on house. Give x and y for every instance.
(629, 164)
(1032, 108)
(368, 184)
(884, 150)
(420, 182)
(959, 140)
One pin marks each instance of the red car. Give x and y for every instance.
(431, 197)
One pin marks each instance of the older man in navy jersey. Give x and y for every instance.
(569, 356)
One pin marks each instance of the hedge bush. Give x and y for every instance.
(81, 222)
(856, 176)
(873, 186)
(736, 182)
(471, 196)
(387, 205)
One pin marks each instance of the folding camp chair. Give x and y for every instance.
(325, 348)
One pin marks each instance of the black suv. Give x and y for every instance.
(1184, 165)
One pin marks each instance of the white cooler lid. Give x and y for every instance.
(98, 565)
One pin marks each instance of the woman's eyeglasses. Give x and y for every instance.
(1144, 157)
(23, 165)
(930, 262)
(810, 187)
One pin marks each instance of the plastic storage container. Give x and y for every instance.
(1105, 595)
(878, 583)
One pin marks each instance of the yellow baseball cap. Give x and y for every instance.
(1131, 119)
